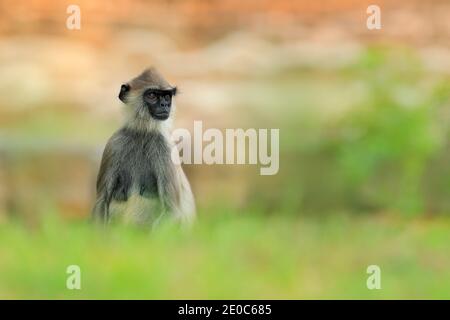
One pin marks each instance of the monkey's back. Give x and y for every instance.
(135, 173)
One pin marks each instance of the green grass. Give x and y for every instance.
(230, 256)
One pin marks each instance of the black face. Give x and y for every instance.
(159, 102)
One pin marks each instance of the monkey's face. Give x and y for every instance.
(153, 102)
(158, 102)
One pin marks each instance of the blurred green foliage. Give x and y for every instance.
(386, 145)
(386, 151)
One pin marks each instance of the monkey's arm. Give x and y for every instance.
(187, 202)
(182, 203)
(100, 211)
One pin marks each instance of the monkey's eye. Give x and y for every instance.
(167, 97)
(151, 96)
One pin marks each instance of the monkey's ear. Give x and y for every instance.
(123, 91)
(174, 91)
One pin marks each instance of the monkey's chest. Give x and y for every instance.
(140, 165)
(135, 197)
(141, 181)
(138, 174)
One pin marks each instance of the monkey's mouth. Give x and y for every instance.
(158, 113)
(161, 115)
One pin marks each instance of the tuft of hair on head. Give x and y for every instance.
(150, 78)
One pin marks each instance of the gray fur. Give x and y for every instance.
(137, 180)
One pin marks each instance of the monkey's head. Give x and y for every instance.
(149, 96)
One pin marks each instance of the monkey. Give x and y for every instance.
(138, 181)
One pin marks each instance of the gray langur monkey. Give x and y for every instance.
(138, 181)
